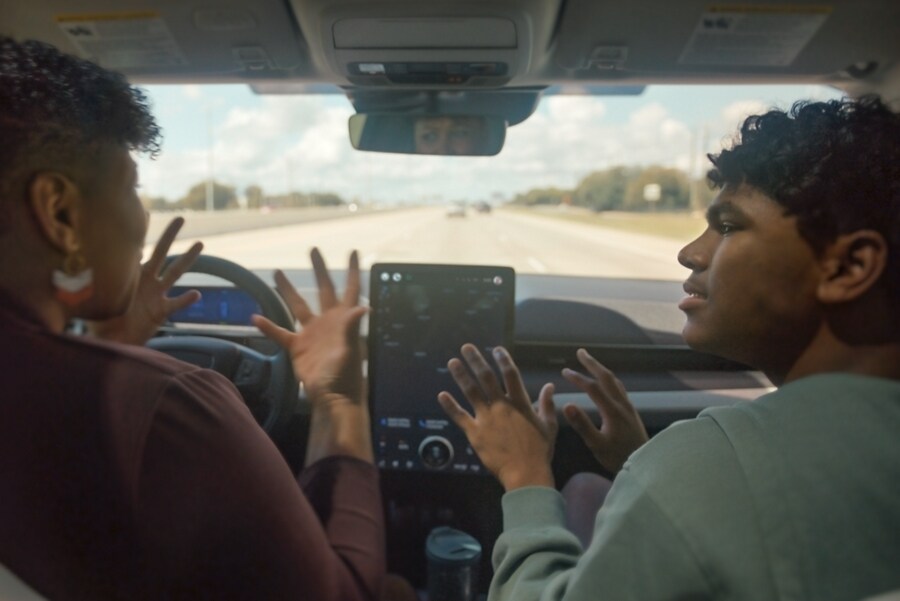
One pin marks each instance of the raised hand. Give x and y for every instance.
(622, 431)
(326, 355)
(150, 307)
(513, 439)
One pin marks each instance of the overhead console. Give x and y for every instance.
(420, 44)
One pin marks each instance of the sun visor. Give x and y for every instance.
(168, 42)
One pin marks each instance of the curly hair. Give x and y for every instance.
(834, 165)
(57, 110)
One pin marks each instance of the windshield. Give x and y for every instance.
(602, 186)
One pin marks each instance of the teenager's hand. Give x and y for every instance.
(622, 431)
(513, 439)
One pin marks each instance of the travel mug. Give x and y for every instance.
(453, 558)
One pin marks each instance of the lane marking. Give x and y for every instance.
(537, 265)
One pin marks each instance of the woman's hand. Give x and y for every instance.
(327, 358)
(513, 439)
(150, 307)
(622, 431)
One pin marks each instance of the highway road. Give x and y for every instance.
(528, 243)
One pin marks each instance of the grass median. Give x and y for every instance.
(678, 226)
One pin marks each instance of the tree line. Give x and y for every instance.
(226, 197)
(622, 189)
(616, 189)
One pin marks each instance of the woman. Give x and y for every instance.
(125, 473)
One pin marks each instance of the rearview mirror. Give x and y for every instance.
(462, 135)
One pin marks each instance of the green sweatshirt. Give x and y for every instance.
(793, 496)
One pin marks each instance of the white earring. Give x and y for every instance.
(74, 283)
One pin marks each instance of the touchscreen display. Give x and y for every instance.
(421, 316)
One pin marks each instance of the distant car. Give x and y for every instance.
(456, 211)
(482, 207)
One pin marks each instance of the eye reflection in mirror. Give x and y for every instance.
(449, 135)
(453, 135)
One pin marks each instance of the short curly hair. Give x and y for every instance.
(834, 165)
(57, 110)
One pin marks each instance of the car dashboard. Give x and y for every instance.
(629, 326)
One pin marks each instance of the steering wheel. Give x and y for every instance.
(266, 382)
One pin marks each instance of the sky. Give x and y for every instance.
(300, 143)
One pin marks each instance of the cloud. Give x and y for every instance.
(569, 137)
(301, 142)
(733, 115)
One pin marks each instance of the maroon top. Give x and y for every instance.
(127, 474)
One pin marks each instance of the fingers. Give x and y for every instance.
(295, 302)
(622, 431)
(470, 388)
(354, 317)
(181, 301)
(281, 336)
(179, 266)
(327, 293)
(584, 427)
(512, 378)
(164, 244)
(484, 387)
(593, 390)
(604, 388)
(604, 376)
(483, 372)
(327, 296)
(455, 412)
(546, 408)
(351, 294)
